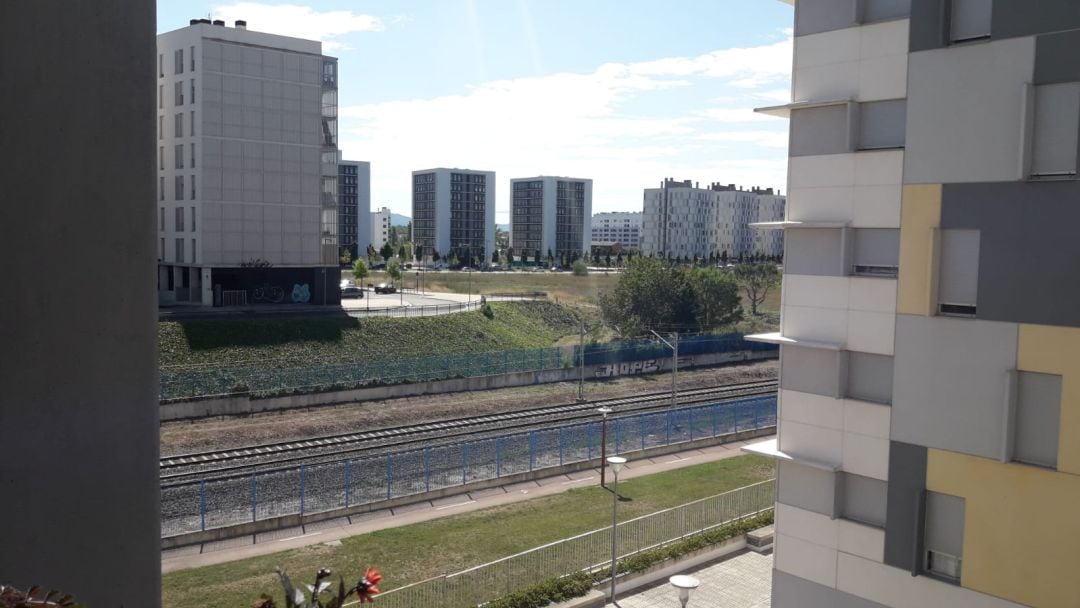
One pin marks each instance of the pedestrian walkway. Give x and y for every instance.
(332, 531)
(741, 581)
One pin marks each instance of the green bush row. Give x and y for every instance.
(560, 589)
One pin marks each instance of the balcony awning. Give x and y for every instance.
(784, 111)
(770, 449)
(776, 338)
(789, 224)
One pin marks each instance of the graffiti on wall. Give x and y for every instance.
(268, 293)
(301, 294)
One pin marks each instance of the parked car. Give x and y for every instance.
(385, 288)
(351, 291)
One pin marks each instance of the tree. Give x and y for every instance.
(629, 256)
(580, 268)
(741, 260)
(434, 256)
(371, 253)
(346, 257)
(716, 298)
(360, 270)
(494, 257)
(454, 262)
(387, 251)
(756, 280)
(607, 260)
(596, 258)
(723, 258)
(510, 256)
(408, 251)
(536, 257)
(393, 270)
(401, 251)
(551, 258)
(618, 259)
(408, 231)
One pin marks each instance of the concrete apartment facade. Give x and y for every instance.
(380, 227)
(354, 207)
(681, 219)
(617, 227)
(453, 213)
(929, 427)
(247, 167)
(551, 214)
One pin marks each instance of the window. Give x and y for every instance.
(180, 251)
(161, 67)
(178, 125)
(193, 251)
(161, 249)
(193, 211)
(179, 218)
(161, 128)
(193, 197)
(192, 90)
(1038, 415)
(864, 499)
(969, 20)
(882, 124)
(192, 123)
(958, 280)
(178, 155)
(161, 193)
(178, 61)
(178, 188)
(810, 370)
(193, 63)
(877, 252)
(162, 214)
(161, 157)
(178, 93)
(869, 377)
(161, 97)
(814, 251)
(943, 535)
(1057, 120)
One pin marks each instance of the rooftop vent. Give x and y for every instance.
(219, 22)
(241, 25)
(193, 22)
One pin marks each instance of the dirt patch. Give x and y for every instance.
(218, 433)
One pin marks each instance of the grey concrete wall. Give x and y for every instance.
(950, 383)
(814, 251)
(907, 481)
(790, 591)
(819, 131)
(1011, 18)
(1027, 244)
(816, 16)
(810, 370)
(1056, 59)
(78, 463)
(242, 405)
(807, 488)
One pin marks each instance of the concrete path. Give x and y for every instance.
(740, 581)
(332, 531)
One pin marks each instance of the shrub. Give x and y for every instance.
(580, 269)
(546, 592)
(487, 311)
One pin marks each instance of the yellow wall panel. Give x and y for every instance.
(1021, 530)
(1056, 350)
(920, 216)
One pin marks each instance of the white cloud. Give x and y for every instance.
(614, 124)
(302, 21)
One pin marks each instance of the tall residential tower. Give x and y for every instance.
(354, 207)
(551, 214)
(454, 213)
(929, 424)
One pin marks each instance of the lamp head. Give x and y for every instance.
(604, 410)
(685, 584)
(616, 463)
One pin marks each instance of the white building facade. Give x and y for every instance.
(453, 213)
(247, 167)
(380, 227)
(682, 220)
(620, 228)
(551, 214)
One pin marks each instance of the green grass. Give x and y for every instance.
(416, 552)
(515, 325)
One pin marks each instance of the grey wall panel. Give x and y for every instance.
(869, 377)
(969, 19)
(883, 10)
(864, 499)
(790, 591)
(1028, 246)
(927, 25)
(944, 529)
(816, 16)
(1013, 18)
(1038, 418)
(809, 370)
(1057, 123)
(907, 480)
(806, 488)
(958, 270)
(877, 246)
(950, 382)
(882, 124)
(819, 131)
(813, 251)
(1056, 59)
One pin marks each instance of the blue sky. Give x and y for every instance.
(624, 92)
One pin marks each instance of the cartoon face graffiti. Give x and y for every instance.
(301, 294)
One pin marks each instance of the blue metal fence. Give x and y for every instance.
(281, 377)
(314, 488)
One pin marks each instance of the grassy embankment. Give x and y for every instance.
(416, 552)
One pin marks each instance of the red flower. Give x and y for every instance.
(365, 589)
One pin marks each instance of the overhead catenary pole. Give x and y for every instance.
(674, 346)
(581, 366)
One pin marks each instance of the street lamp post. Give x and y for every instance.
(604, 411)
(685, 584)
(616, 463)
(674, 363)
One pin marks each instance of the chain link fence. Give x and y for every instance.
(306, 489)
(278, 377)
(587, 552)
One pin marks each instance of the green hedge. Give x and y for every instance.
(560, 589)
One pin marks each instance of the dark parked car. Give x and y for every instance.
(385, 288)
(351, 291)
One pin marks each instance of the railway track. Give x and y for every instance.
(182, 467)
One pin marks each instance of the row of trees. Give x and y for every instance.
(654, 294)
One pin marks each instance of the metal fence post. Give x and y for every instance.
(532, 448)
(464, 462)
(254, 497)
(202, 504)
(348, 482)
(588, 439)
(667, 431)
(498, 457)
(389, 475)
(427, 469)
(560, 446)
(302, 480)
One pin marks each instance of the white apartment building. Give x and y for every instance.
(681, 219)
(551, 214)
(617, 228)
(247, 167)
(453, 213)
(380, 227)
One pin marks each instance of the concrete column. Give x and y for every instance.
(207, 288)
(78, 361)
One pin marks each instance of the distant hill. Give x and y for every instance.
(396, 219)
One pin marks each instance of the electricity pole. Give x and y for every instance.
(581, 366)
(674, 346)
